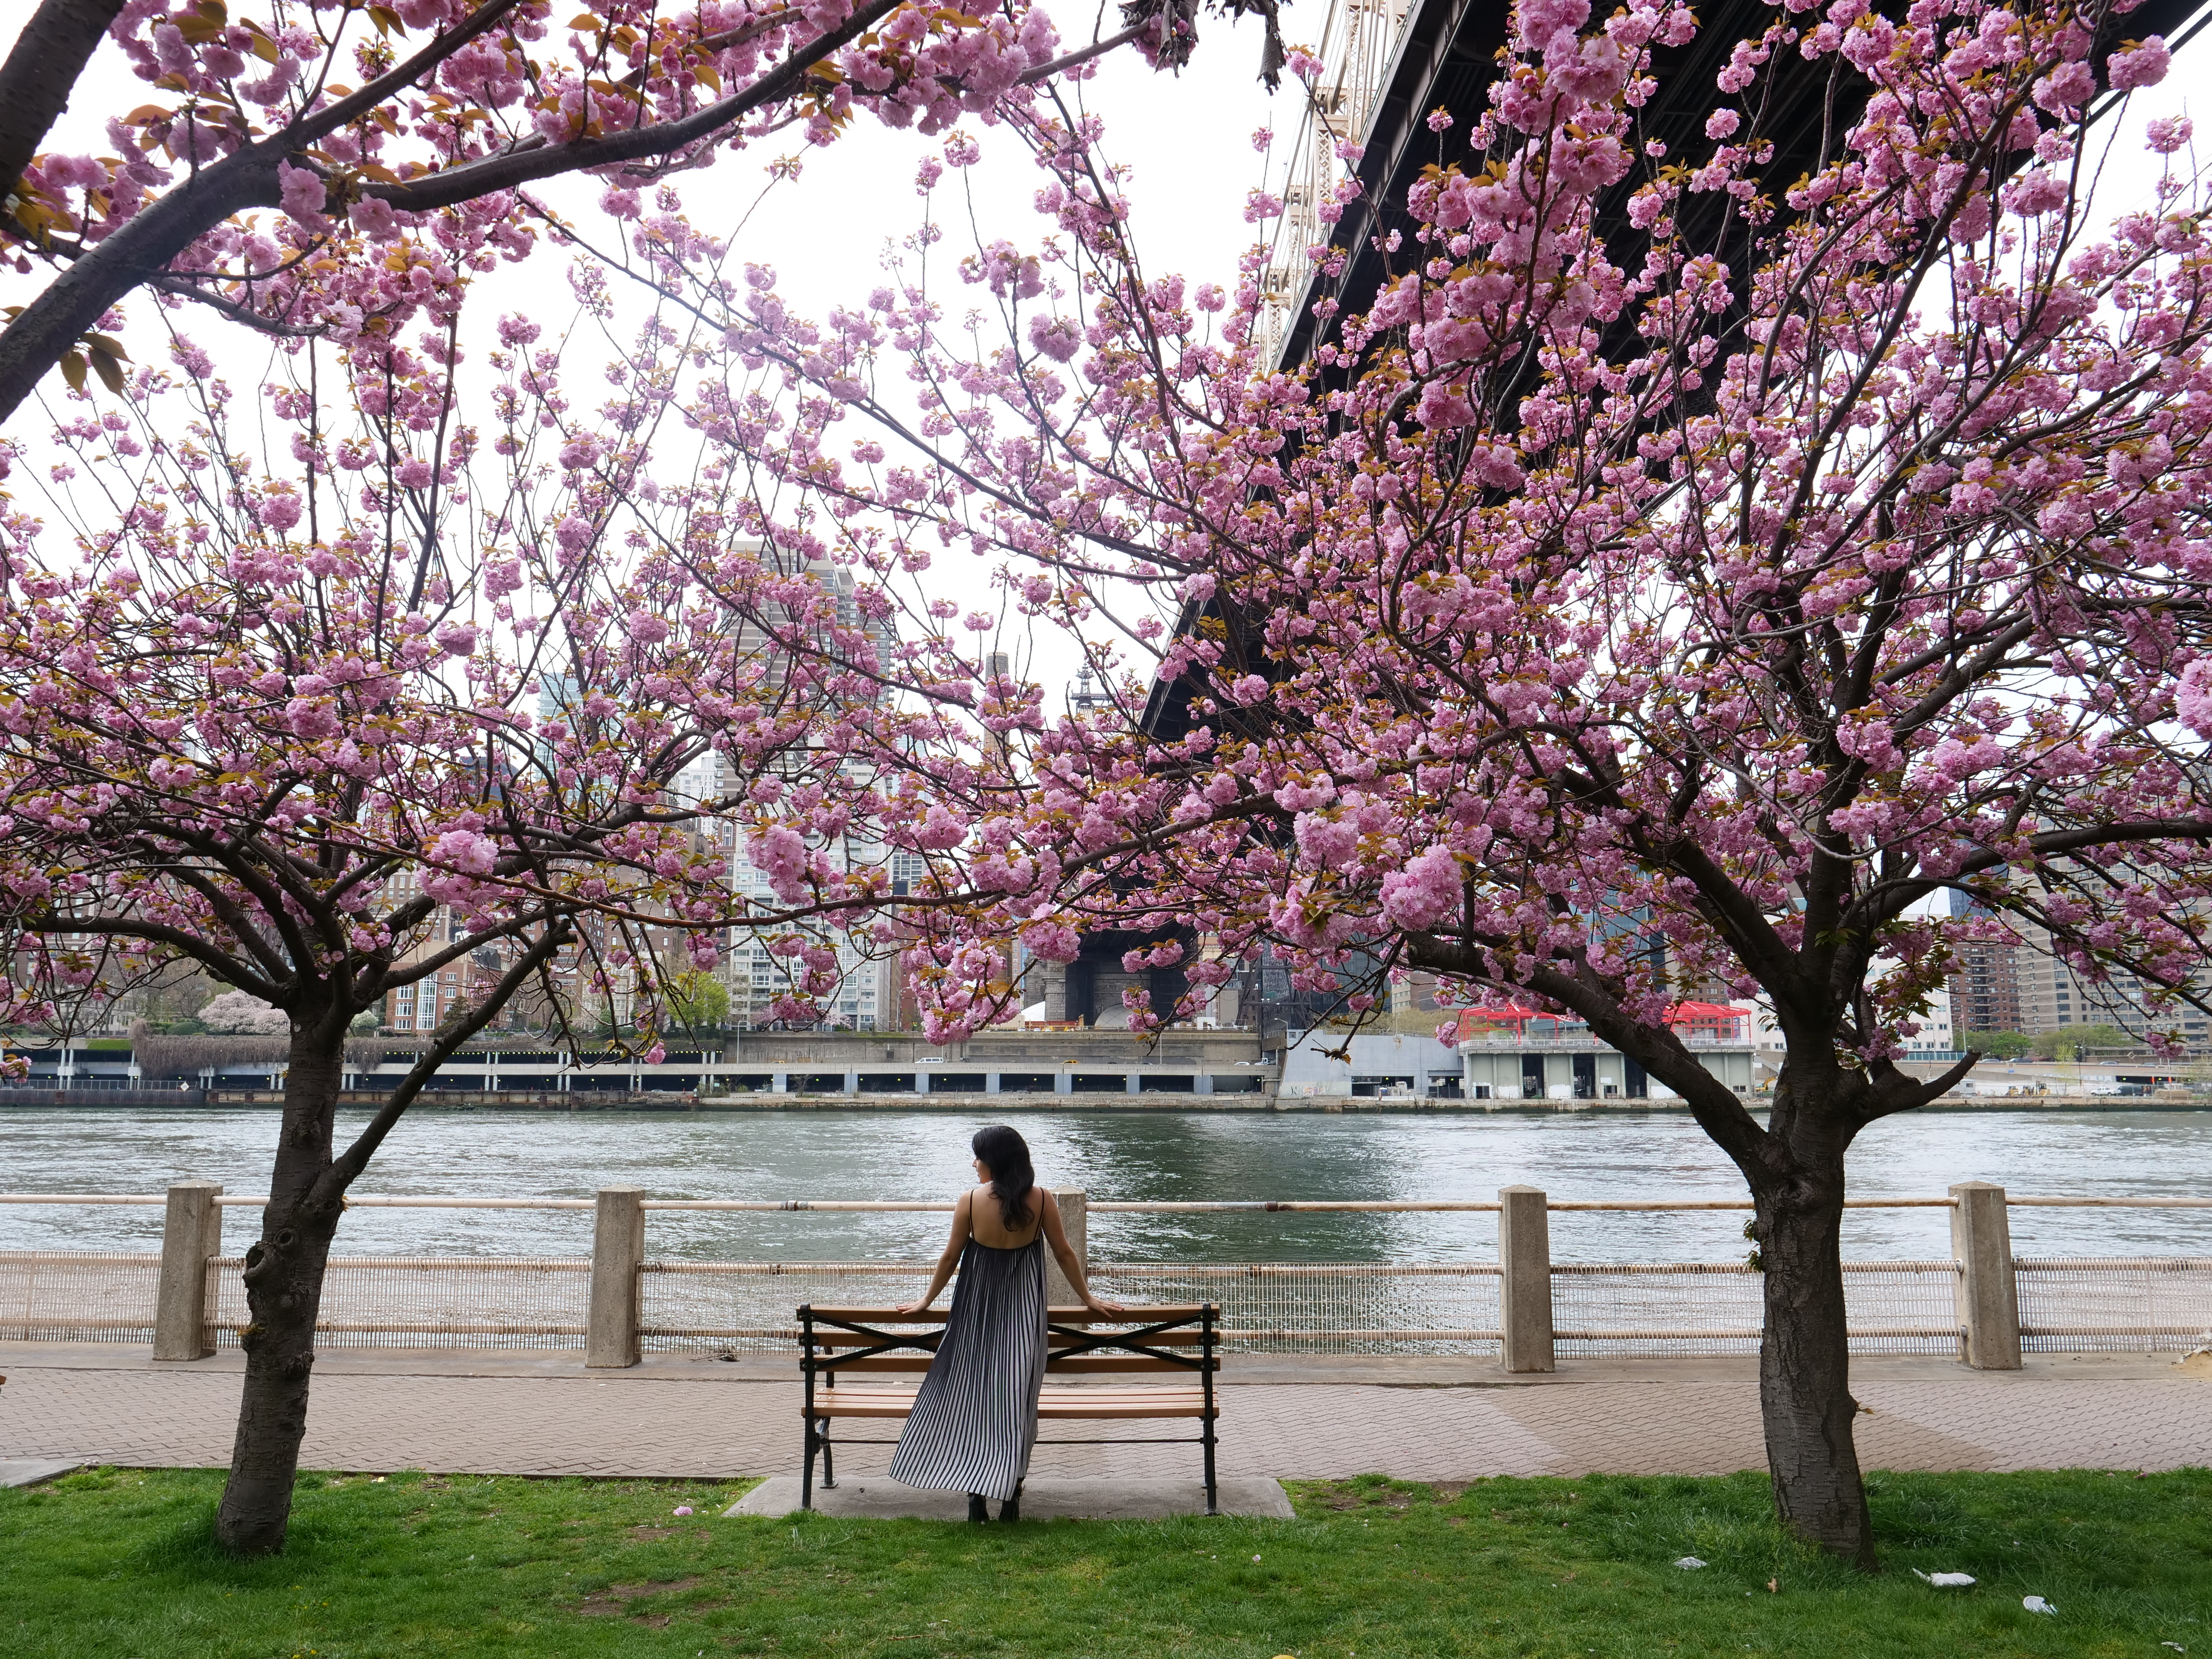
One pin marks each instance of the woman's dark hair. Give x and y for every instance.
(1006, 1156)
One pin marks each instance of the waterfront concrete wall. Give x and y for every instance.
(766, 1100)
(1030, 1071)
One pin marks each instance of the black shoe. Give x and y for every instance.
(978, 1509)
(1012, 1508)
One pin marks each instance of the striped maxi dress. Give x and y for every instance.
(975, 1418)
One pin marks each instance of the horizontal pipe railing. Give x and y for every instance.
(1616, 1303)
(386, 1306)
(1116, 1206)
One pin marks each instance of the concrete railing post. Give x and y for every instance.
(1075, 1222)
(1524, 1286)
(611, 1333)
(191, 1231)
(1988, 1293)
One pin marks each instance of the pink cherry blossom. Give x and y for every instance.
(301, 190)
(2144, 65)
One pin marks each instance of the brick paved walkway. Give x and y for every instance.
(521, 1415)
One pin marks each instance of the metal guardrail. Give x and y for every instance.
(1623, 1309)
(1115, 1207)
(1982, 1302)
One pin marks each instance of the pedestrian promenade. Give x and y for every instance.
(519, 1413)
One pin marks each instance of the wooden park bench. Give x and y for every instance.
(1180, 1342)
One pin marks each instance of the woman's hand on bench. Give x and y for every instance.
(916, 1307)
(1111, 1310)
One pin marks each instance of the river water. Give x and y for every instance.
(1115, 1155)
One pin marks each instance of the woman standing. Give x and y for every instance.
(975, 1420)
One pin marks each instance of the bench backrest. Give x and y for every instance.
(1182, 1341)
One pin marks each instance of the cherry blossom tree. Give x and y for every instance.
(236, 1012)
(397, 692)
(393, 147)
(1605, 613)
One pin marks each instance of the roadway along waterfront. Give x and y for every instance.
(1163, 1155)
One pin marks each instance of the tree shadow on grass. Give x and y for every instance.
(327, 1535)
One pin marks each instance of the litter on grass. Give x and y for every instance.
(1944, 1580)
(1689, 1563)
(2037, 1604)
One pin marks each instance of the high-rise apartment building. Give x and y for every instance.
(2054, 997)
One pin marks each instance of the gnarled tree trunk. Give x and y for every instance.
(1804, 1368)
(283, 1296)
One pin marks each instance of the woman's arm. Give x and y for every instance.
(1064, 1253)
(951, 1259)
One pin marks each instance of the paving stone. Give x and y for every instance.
(86, 1406)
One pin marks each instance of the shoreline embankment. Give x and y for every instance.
(970, 1104)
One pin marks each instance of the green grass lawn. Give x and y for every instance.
(121, 1563)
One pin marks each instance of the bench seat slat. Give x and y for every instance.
(1047, 1395)
(1086, 1365)
(1147, 1314)
(832, 1339)
(835, 1342)
(1059, 1404)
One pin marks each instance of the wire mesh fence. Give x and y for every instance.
(52, 1297)
(1611, 1309)
(1688, 1308)
(2115, 1305)
(428, 1302)
(1327, 1307)
(750, 1307)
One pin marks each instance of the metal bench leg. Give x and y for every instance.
(806, 1411)
(828, 1454)
(1205, 1423)
(1213, 1491)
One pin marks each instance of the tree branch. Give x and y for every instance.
(140, 252)
(1068, 60)
(42, 69)
(224, 967)
(523, 167)
(349, 1164)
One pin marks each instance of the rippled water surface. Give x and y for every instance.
(1120, 1155)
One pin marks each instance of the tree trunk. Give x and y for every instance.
(1804, 1368)
(283, 1296)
